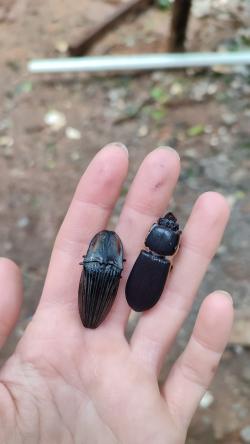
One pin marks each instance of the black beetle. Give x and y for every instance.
(150, 271)
(102, 268)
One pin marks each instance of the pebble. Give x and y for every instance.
(201, 9)
(222, 250)
(61, 46)
(207, 400)
(229, 119)
(55, 119)
(73, 133)
(245, 434)
(176, 89)
(238, 349)
(6, 141)
(23, 222)
(199, 90)
(143, 131)
(212, 89)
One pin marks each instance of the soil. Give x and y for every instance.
(203, 114)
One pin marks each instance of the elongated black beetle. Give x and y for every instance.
(150, 271)
(102, 268)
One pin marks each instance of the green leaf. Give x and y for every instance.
(245, 145)
(159, 94)
(158, 114)
(164, 4)
(24, 87)
(240, 194)
(196, 130)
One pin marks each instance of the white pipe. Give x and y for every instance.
(137, 62)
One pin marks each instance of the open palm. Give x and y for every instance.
(67, 384)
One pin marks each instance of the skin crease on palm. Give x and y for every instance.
(66, 384)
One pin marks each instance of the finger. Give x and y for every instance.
(147, 199)
(10, 298)
(194, 370)
(88, 213)
(158, 327)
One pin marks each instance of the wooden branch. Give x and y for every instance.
(179, 23)
(90, 39)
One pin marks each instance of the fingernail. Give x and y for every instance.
(120, 145)
(169, 148)
(228, 295)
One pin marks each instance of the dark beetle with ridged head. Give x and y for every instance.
(100, 278)
(150, 271)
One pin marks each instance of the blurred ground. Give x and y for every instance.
(203, 114)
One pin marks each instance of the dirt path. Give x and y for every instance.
(204, 115)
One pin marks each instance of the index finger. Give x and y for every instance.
(89, 211)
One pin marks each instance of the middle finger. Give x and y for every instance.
(147, 199)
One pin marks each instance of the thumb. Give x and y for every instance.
(11, 295)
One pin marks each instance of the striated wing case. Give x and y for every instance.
(97, 291)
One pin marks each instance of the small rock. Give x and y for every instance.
(238, 349)
(207, 400)
(199, 90)
(143, 131)
(61, 46)
(55, 120)
(6, 141)
(222, 250)
(201, 9)
(212, 89)
(229, 119)
(176, 89)
(23, 222)
(73, 133)
(245, 434)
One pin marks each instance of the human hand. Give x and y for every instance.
(66, 384)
